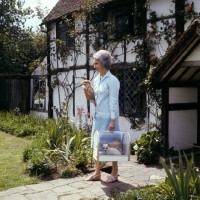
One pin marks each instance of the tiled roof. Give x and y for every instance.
(64, 7)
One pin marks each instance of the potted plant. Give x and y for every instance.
(147, 148)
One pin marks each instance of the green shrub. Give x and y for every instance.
(143, 194)
(70, 172)
(54, 131)
(21, 125)
(39, 163)
(184, 183)
(27, 154)
(147, 148)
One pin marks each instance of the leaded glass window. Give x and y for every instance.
(63, 34)
(39, 93)
(131, 99)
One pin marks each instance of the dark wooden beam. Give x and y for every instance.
(38, 76)
(183, 106)
(198, 118)
(182, 74)
(15, 76)
(171, 73)
(165, 120)
(180, 84)
(194, 74)
(50, 89)
(190, 64)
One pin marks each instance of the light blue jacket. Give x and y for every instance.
(106, 94)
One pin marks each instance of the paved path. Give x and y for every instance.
(131, 175)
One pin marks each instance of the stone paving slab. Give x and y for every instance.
(131, 175)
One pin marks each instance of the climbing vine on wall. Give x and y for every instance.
(90, 27)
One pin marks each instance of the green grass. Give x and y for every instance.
(12, 167)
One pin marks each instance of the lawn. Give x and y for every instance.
(12, 170)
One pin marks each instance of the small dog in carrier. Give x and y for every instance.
(110, 150)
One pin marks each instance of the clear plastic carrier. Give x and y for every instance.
(111, 145)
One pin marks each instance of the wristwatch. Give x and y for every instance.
(113, 119)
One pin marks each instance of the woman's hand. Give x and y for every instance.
(111, 126)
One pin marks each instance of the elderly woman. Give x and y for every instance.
(106, 92)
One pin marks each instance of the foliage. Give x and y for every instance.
(39, 164)
(147, 193)
(21, 124)
(147, 148)
(20, 47)
(185, 183)
(70, 172)
(55, 133)
(182, 184)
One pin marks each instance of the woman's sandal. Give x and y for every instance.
(93, 178)
(111, 179)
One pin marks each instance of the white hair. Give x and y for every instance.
(104, 57)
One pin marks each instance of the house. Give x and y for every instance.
(139, 34)
(178, 75)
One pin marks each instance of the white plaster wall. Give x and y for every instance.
(195, 55)
(162, 45)
(61, 92)
(183, 95)
(130, 57)
(42, 114)
(182, 129)
(162, 7)
(53, 56)
(80, 99)
(135, 134)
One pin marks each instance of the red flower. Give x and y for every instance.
(189, 8)
(179, 33)
(154, 57)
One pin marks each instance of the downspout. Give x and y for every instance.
(50, 99)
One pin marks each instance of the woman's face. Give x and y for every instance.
(98, 66)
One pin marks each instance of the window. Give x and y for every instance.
(129, 19)
(123, 21)
(131, 100)
(39, 92)
(63, 34)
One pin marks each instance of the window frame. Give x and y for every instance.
(62, 29)
(34, 105)
(127, 13)
(136, 13)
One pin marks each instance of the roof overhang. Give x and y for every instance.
(172, 69)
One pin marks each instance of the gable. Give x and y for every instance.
(181, 63)
(195, 55)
